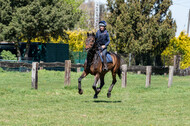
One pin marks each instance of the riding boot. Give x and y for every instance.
(105, 63)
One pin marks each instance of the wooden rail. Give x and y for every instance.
(28, 65)
(142, 69)
(15, 65)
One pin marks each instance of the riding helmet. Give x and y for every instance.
(102, 23)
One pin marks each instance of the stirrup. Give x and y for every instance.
(105, 68)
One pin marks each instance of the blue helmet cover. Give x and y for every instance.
(102, 23)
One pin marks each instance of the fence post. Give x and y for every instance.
(41, 68)
(171, 72)
(124, 76)
(129, 59)
(148, 76)
(35, 75)
(78, 68)
(138, 72)
(67, 72)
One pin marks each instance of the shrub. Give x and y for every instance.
(178, 46)
(7, 55)
(1, 69)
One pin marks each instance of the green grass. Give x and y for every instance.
(53, 104)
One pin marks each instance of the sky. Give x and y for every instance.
(180, 12)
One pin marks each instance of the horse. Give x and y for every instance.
(96, 67)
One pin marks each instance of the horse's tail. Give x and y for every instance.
(119, 72)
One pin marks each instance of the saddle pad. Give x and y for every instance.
(109, 58)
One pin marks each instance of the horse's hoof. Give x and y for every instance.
(95, 96)
(109, 94)
(80, 91)
(98, 90)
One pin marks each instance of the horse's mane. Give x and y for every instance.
(96, 60)
(94, 57)
(92, 53)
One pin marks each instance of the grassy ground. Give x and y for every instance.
(53, 104)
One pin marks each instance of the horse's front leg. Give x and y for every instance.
(97, 77)
(84, 74)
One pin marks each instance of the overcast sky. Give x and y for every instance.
(180, 10)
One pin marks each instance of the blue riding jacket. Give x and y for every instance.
(102, 37)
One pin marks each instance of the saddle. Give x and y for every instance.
(108, 57)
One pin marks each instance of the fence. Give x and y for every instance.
(148, 70)
(78, 57)
(35, 66)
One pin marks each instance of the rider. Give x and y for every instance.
(102, 38)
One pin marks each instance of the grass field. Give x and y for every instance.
(53, 104)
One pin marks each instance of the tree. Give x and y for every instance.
(140, 26)
(87, 20)
(75, 4)
(5, 16)
(40, 19)
(8, 8)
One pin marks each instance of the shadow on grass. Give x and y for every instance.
(104, 101)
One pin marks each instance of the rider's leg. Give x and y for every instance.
(104, 58)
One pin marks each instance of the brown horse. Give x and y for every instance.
(96, 67)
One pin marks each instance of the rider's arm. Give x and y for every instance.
(96, 37)
(108, 40)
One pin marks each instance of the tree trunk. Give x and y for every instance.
(159, 60)
(18, 50)
(27, 49)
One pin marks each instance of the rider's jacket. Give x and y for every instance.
(102, 37)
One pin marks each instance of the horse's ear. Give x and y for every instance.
(88, 34)
(93, 34)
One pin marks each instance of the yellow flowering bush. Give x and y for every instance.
(76, 40)
(178, 46)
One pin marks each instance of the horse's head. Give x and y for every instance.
(90, 41)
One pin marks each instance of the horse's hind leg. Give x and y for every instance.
(111, 86)
(94, 85)
(84, 74)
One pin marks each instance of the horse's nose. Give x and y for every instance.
(86, 48)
